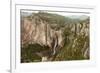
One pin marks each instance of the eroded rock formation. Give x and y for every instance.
(35, 30)
(56, 33)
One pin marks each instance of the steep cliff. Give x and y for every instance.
(54, 36)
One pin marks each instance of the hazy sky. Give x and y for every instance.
(71, 15)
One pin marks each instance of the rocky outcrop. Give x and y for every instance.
(37, 31)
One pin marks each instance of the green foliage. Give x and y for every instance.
(28, 54)
(69, 52)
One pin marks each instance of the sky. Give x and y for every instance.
(71, 15)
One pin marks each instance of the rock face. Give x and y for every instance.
(38, 31)
(54, 33)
